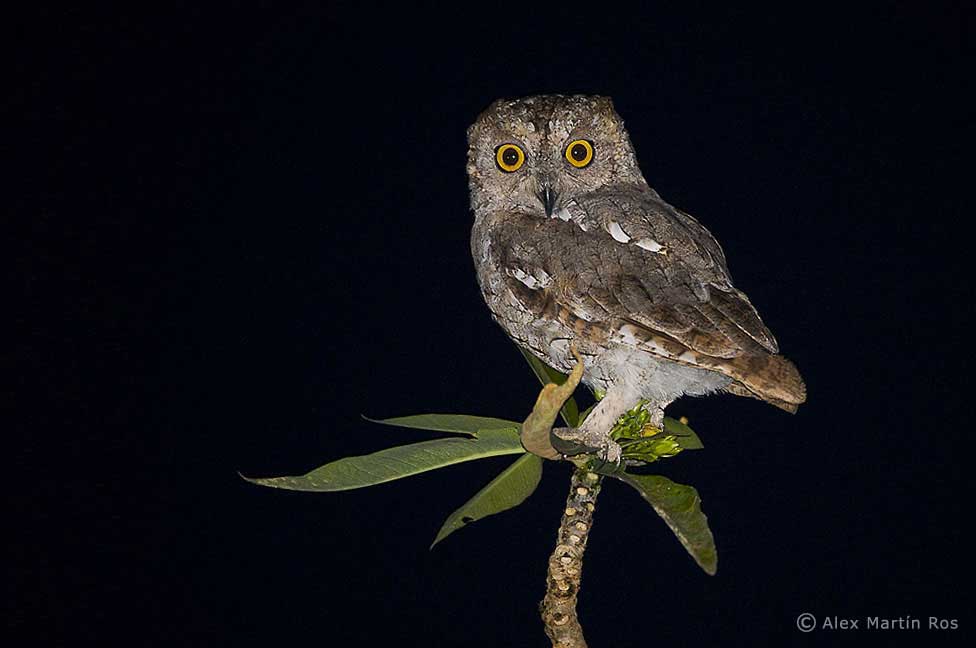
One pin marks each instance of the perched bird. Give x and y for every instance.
(572, 245)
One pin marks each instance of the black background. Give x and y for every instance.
(239, 229)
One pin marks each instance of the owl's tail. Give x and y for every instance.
(771, 378)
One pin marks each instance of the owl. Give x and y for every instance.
(573, 248)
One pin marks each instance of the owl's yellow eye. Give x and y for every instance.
(509, 157)
(579, 153)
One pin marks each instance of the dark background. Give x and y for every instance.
(239, 229)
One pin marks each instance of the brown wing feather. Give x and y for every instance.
(682, 307)
(737, 308)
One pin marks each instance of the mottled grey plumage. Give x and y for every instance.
(594, 256)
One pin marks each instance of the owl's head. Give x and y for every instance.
(535, 155)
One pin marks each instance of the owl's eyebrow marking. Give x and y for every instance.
(547, 123)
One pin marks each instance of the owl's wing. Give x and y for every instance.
(630, 269)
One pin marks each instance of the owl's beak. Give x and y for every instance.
(548, 197)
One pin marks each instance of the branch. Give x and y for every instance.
(558, 608)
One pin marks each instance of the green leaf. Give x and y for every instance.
(683, 434)
(680, 508)
(652, 448)
(507, 490)
(401, 461)
(546, 375)
(459, 423)
(586, 412)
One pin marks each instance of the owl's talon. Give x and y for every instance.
(568, 443)
(572, 442)
(612, 452)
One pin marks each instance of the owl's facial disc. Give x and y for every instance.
(539, 155)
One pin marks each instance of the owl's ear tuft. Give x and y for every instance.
(488, 116)
(495, 108)
(611, 118)
(604, 104)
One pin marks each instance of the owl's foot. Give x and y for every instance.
(577, 441)
(595, 434)
(539, 437)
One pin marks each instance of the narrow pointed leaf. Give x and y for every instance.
(683, 434)
(546, 375)
(680, 508)
(507, 490)
(401, 461)
(586, 412)
(460, 423)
